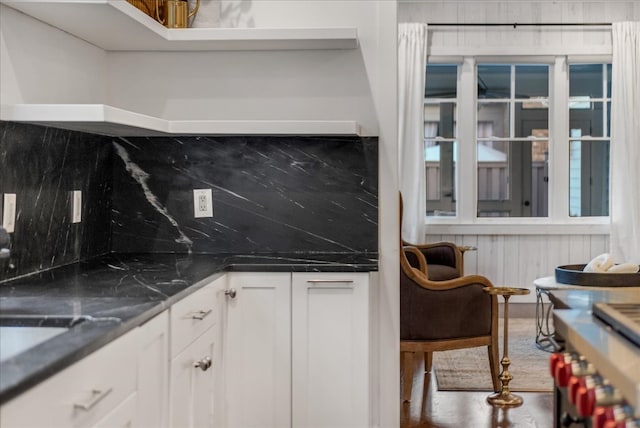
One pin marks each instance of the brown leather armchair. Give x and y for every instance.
(440, 315)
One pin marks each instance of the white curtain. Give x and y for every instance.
(412, 63)
(625, 143)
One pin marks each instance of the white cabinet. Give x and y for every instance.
(195, 332)
(257, 351)
(330, 371)
(153, 366)
(296, 350)
(83, 394)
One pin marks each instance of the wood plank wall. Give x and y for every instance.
(517, 260)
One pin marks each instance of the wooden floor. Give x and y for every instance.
(469, 409)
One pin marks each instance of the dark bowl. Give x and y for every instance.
(573, 275)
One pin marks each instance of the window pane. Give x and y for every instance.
(608, 134)
(440, 132)
(494, 81)
(588, 120)
(585, 80)
(532, 81)
(513, 183)
(440, 160)
(493, 183)
(440, 120)
(588, 178)
(493, 120)
(530, 116)
(588, 159)
(441, 81)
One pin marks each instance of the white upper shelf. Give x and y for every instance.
(108, 120)
(116, 25)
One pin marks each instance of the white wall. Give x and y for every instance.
(40, 64)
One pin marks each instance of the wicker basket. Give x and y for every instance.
(153, 8)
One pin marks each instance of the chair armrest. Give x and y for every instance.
(416, 258)
(464, 248)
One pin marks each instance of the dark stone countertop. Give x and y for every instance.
(122, 291)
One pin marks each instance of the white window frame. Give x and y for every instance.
(558, 220)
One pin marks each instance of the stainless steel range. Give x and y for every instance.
(597, 376)
(621, 317)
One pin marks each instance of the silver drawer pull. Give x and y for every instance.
(230, 292)
(330, 281)
(96, 396)
(200, 315)
(203, 364)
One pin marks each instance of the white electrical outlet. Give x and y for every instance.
(9, 212)
(76, 206)
(202, 203)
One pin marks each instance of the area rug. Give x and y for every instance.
(468, 369)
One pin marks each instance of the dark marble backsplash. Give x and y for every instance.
(42, 166)
(270, 194)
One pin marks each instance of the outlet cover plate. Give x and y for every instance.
(76, 206)
(202, 203)
(9, 212)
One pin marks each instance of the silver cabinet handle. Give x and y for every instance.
(96, 396)
(200, 315)
(330, 281)
(203, 364)
(230, 292)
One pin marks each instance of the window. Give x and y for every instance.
(589, 132)
(439, 138)
(512, 140)
(507, 117)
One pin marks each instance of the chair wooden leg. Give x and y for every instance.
(428, 361)
(495, 367)
(406, 361)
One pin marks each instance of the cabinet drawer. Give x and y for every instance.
(80, 395)
(192, 316)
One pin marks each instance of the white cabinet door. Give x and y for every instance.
(192, 384)
(257, 351)
(330, 318)
(80, 395)
(153, 372)
(123, 416)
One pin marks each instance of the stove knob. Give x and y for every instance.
(629, 423)
(602, 415)
(563, 373)
(585, 400)
(602, 394)
(571, 366)
(555, 358)
(613, 416)
(576, 382)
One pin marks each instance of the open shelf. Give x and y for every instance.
(108, 120)
(116, 25)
